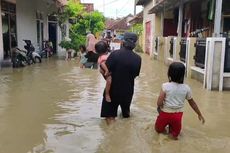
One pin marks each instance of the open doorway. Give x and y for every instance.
(9, 31)
(226, 27)
(53, 35)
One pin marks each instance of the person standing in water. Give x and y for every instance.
(124, 66)
(171, 101)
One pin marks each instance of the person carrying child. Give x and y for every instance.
(171, 101)
(102, 50)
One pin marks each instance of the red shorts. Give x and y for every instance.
(171, 119)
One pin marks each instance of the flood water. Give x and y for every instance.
(54, 107)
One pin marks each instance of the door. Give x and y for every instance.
(170, 28)
(40, 33)
(148, 37)
(227, 25)
(53, 35)
(9, 32)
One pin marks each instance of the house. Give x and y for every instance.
(25, 19)
(148, 25)
(119, 25)
(89, 7)
(195, 32)
(138, 19)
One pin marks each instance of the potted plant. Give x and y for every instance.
(67, 44)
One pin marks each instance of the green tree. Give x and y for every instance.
(93, 21)
(137, 28)
(71, 10)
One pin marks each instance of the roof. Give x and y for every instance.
(141, 2)
(110, 22)
(137, 18)
(121, 24)
(61, 2)
(164, 5)
(89, 7)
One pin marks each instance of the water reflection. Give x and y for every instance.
(54, 107)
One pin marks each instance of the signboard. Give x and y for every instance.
(115, 46)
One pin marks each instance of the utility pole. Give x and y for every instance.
(217, 23)
(135, 8)
(104, 7)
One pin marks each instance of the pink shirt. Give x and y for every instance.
(91, 41)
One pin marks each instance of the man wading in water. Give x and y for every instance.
(124, 66)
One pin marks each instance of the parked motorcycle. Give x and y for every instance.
(198, 32)
(47, 50)
(19, 58)
(32, 56)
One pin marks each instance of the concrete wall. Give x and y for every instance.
(161, 53)
(1, 41)
(26, 19)
(192, 51)
(216, 65)
(158, 25)
(146, 18)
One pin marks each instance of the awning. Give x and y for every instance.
(164, 5)
(141, 2)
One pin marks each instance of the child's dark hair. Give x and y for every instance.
(176, 72)
(83, 47)
(101, 47)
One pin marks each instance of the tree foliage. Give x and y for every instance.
(93, 21)
(137, 28)
(71, 10)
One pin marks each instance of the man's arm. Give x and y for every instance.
(138, 68)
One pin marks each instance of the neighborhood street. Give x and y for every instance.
(54, 107)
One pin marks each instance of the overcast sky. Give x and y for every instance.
(114, 8)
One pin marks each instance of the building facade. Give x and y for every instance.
(25, 19)
(148, 25)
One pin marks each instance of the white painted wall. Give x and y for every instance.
(26, 20)
(46, 9)
(1, 41)
(146, 18)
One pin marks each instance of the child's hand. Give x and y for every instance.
(201, 118)
(107, 73)
(159, 109)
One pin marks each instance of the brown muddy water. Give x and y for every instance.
(54, 107)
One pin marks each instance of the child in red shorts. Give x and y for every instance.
(171, 101)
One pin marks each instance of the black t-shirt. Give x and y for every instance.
(92, 57)
(124, 66)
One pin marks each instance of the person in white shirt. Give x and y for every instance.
(171, 101)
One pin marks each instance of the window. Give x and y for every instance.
(40, 28)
